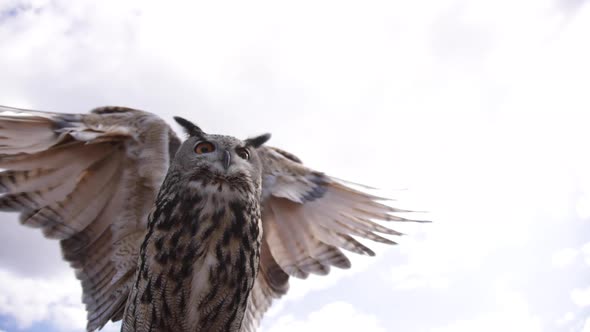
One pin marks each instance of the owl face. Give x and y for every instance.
(219, 159)
(224, 156)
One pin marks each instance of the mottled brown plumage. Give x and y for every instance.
(200, 256)
(91, 180)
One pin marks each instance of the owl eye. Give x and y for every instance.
(204, 147)
(243, 153)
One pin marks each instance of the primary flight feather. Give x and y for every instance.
(91, 180)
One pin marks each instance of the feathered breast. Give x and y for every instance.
(198, 262)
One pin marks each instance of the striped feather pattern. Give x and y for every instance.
(308, 218)
(87, 181)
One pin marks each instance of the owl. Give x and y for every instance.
(200, 256)
(115, 187)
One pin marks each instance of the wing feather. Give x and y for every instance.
(271, 283)
(308, 217)
(88, 180)
(87, 196)
(26, 134)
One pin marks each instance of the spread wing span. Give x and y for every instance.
(90, 180)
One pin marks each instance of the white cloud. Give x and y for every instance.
(567, 318)
(586, 252)
(112, 327)
(564, 257)
(586, 327)
(489, 202)
(30, 300)
(470, 104)
(418, 275)
(512, 315)
(583, 207)
(336, 316)
(581, 296)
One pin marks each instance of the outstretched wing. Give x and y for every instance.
(308, 218)
(88, 180)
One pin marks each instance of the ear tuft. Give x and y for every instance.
(257, 141)
(190, 128)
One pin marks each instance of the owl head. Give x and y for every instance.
(219, 160)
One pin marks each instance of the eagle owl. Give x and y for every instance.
(200, 256)
(90, 181)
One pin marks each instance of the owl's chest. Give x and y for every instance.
(221, 283)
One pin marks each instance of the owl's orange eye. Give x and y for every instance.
(204, 147)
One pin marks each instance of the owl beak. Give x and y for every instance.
(226, 159)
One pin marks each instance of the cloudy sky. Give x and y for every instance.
(475, 111)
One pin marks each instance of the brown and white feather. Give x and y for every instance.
(88, 180)
(308, 217)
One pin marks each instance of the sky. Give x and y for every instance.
(475, 112)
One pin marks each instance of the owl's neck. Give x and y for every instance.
(197, 264)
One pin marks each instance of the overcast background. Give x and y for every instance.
(475, 111)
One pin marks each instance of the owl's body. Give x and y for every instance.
(199, 258)
(196, 264)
